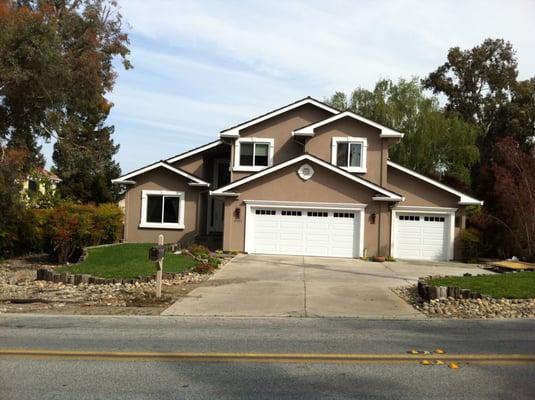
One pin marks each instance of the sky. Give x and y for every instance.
(202, 66)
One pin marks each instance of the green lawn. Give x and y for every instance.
(128, 260)
(519, 285)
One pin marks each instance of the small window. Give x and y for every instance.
(265, 212)
(344, 215)
(349, 153)
(291, 213)
(253, 153)
(321, 214)
(409, 218)
(162, 209)
(32, 186)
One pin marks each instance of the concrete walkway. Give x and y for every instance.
(296, 286)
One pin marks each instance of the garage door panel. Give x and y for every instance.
(303, 232)
(422, 236)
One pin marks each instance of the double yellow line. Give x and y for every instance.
(480, 359)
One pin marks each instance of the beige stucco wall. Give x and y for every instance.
(160, 179)
(325, 186)
(280, 129)
(320, 145)
(194, 165)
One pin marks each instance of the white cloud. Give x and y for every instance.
(203, 66)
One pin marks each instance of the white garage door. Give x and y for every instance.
(319, 232)
(422, 236)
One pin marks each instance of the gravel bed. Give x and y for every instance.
(483, 308)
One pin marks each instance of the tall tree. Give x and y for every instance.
(434, 143)
(481, 85)
(56, 67)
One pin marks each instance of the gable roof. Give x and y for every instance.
(464, 199)
(387, 195)
(308, 130)
(127, 179)
(196, 150)
(234, 131)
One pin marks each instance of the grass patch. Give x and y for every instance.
(520, 285)
(128, 260)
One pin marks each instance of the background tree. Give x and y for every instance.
(481, 85)
(434, 143)
(56, 69)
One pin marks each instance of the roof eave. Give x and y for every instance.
(386, 134)
(124, 182)
(394, 199)
(470, 202)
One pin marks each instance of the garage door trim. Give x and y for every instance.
(449, 212)
(355, 207)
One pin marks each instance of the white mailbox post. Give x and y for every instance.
(156, 254)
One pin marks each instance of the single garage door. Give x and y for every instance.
(422, 236)
(329, 233)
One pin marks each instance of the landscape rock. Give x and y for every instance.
(465, 308)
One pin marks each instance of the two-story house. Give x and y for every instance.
(305, 179)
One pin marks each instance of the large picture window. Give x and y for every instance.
(253, 154)
(162, 209)
(349, 153)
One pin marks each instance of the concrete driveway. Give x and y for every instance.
(296, 286)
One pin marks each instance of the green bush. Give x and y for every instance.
(471, 242)
(204, 268)
(198, 250)
(64, 230)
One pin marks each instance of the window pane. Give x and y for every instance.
(261, 154)
(170, 209)
(246, 154)
(355, 152)
(341, 154)
(154, 209)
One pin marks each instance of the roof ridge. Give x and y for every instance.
(278, 109)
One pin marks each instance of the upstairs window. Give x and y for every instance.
(253, 154)
(349, 153)
(162, 209)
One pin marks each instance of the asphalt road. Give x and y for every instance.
(107, 371)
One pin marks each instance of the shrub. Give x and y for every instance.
(471, 242)
(204, 268)
(69, 227)
(214, 262)
(198, 250)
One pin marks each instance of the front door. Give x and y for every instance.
(221, 176)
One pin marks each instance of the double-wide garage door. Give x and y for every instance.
(422, 236)
(329, 233)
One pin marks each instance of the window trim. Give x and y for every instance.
(163, 225)
(350, 139)
(237, 167)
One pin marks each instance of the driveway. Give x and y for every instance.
(297, 286)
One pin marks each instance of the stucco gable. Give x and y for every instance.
(384, 131)
(234, 131)
(130, 177)
(382, 194)
(426, 185)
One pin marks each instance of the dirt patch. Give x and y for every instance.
(21, 293)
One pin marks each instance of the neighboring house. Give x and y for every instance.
(39, 182)
(305, 179)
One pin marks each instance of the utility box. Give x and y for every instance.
(156, 253)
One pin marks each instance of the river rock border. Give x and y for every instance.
(428, 292)
(44, 274)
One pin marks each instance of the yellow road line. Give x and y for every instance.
(494, 359)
